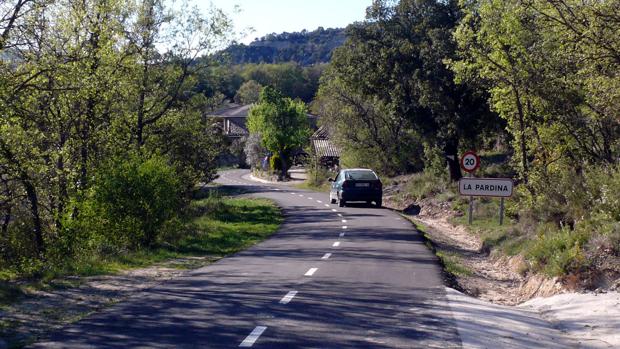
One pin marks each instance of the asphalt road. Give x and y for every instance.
(353, 277)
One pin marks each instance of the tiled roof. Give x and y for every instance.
(321, 133)
(233, 111)
(325, 148)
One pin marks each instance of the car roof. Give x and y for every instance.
(358, 169)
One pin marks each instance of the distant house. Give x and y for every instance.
(327, 153)
(234, 119)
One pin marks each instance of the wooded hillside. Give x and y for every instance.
(304, 48)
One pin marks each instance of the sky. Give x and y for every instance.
(277, 16)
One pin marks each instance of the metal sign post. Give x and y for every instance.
(490, 187)
(501, 211)
(471, 210)
(470, 162)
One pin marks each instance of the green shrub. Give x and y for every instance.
(557, 252)
(425, 184)
(434, 161)
(131, 201)
(318, 179)
(275, 164)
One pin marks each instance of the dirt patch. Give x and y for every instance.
(491, 277)
(70, 299)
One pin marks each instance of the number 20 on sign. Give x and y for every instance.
(470, 161)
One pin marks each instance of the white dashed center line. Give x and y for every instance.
(289, 296)
(344, 221)
(341, 234)
(333, 209)
(336, 244)
(326, 205)
(311, 271)
(339, 215)
(319, 201)
(326, 256)
(248, 342)
(344, 227)
(309, 198)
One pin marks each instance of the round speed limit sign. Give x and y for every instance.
(470, 161)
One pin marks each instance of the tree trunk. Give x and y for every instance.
(141, 107)
(522, 143)
(283, 165)
(33, 198)
(452, 158)
(5, 247)
(31, 192)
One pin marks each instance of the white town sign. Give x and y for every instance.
(494, 187)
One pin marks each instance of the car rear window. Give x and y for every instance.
(361, 175)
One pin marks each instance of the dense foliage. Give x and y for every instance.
(99, 105)
(291, 79)
(304, 48)
(551, 68)
(421, 81)
(389, 93)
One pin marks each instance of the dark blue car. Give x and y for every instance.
(358, 184)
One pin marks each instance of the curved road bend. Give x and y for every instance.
(353, 277)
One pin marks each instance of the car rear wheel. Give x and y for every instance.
(341, 203)
(379, 203)
(333, 201)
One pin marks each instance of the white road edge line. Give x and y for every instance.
(252, 337)
(289, 296)
(326, 256)
(311, 271)
(336, 244)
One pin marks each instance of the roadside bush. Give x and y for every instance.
(134, 199)
(558, 252)
(190, 146)
(318, 178)
(275, 164)
(425, 184)
(434, 161)
(254, 150)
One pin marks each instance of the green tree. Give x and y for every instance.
(548, 67)
(248, 93)
(282, 123)
(73, 78)
(395, 62)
